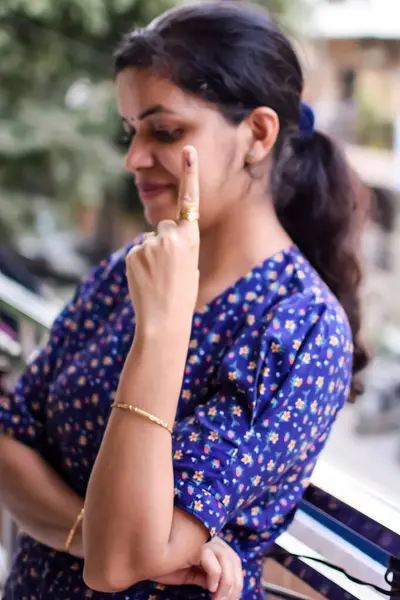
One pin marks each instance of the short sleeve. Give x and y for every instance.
(280, 388)
(22, 413)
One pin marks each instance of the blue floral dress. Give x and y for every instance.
(268, 368)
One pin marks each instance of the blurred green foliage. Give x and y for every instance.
(58, 121)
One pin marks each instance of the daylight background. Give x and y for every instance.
(65, 201)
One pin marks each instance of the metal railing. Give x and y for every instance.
(339, 521)
(35, 316)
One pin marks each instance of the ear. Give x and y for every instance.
(263, 125)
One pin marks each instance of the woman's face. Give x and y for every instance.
(164, 119)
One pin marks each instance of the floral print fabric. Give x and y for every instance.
(268, 368)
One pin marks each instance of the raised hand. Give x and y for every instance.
(162, 272)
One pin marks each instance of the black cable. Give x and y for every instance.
(393, 569)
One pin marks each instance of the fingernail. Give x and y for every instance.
(188, 158)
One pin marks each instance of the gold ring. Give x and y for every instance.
(149, 234)
(189, 213)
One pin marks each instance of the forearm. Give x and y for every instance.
(131, 489)
(38, 499)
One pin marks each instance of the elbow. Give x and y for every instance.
(108, 566)
(111, 579)
(114, 563)
(115, 570)
(116, 574)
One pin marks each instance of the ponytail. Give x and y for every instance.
(322, 205)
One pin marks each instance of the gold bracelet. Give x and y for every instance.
(142, 413)
(72, 531)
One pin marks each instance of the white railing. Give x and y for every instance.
(35, 316)
(26, 305)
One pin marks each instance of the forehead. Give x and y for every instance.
(138, 90)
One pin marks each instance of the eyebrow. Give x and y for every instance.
(154, 110)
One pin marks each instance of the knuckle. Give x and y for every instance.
(170, 239)
(132, 254)
(230, 592)
(133, 251)
(227, 579)
(174, 236)
(168, 224)
(192, 242)
(165, 236)
(215, 570)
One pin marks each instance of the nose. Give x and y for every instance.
(139, 157)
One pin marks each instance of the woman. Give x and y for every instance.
(241, 337)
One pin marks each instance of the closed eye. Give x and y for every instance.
(167, 135)
(162, 134)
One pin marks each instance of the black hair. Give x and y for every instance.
(234, 55)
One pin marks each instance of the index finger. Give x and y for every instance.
(189, 197)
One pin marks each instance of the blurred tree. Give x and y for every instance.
(58, 120)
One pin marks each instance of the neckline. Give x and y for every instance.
(261, 266)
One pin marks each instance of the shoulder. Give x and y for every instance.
(303, 347)
(303, 330)
(298, 317)
(304, 305)
(309, 322)
(307, 310)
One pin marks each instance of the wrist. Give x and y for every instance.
(161, 350)
(155, 365)
(76, 548)
(159, 335)
(73, 533)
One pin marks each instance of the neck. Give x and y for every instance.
(244, 239)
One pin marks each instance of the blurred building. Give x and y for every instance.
(352, 64)
(355, 68)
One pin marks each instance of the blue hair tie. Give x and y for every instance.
(307, 120)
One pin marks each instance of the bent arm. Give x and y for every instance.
(35, 495)
(131, 529)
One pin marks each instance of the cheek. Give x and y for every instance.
(212, 201)
(212, 169)
(170, 160)
(221, 187)
(214, 175)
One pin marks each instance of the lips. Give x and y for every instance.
(147, 191)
